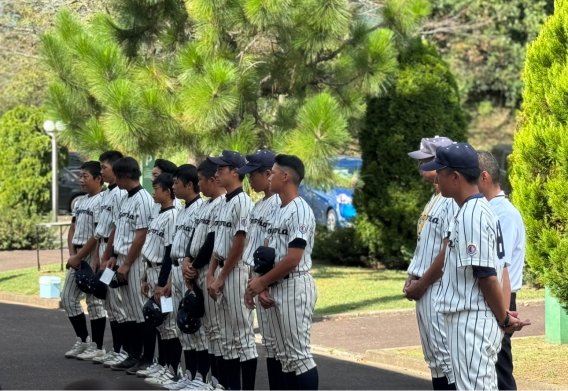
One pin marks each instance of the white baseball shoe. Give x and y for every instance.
(108, 356)
(91, 353)
(78, 348)
(117, 359)
(165, 378)
(199, 384)
(182, 383)
(154, 370)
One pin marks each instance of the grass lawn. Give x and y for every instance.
(340, 289)
(533, 359)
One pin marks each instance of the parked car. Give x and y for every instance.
(70, 191)
(501, 153)
(334, 208)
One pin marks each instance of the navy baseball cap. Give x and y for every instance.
(229, 158)
(459, 155)
(428, 147)
(260, 159)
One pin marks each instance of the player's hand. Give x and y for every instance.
(111, 263)
(265, 299)
(145, 288)
(407, 284)
(158, 293)
(122, 272)
(189, 273)
(415, 290)
(74, 262)
(256, 285)
(515, 324)
(249, 301)
(96, 265)
(210, 281)
(168, 290)
(218, 286)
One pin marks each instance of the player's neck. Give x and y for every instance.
(268, 193)
(233, 186)
(436, 189)
(110, 183)
(492, 192)
(218, 193)
(167, 203)
(131, 185)
(190, 197)
(288, 194)
(465, 193)
(94, 192)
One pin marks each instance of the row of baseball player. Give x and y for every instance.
(466, 269)
(224, 252)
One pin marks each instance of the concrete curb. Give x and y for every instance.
(32, 301)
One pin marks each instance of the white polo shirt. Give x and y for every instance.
(513, 230)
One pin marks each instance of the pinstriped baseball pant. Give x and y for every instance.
(431, 325)
(210, 322)
(265, 328)
(291, 320)
(196, 341)
(71, 296)
(130, 297)
(112, 297)
(474, 340)
(235, 319)
(167, 329)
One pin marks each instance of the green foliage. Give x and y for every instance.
(424, 102)
(18, 231)
(539, 173)
(207, 75)
(340, 247)
(25, 167)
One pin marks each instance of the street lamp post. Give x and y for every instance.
(52, 128)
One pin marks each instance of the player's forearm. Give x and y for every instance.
(70, 235)
(284, 267)
(506, 289)
(434, 272)
(493, 294)
(235, 255)
(136, 247)
(88, 248)
(213, 263)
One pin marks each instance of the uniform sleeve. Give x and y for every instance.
(144, 215)
(301, 223)
(97, 211)
(74, 211)
(476, 240)
(117, 201)
(212, 217)
(170, 229)
(241, 214)
(450, 211)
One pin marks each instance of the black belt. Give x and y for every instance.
(149, 264)
(221, 263)
(175, 261)
(78, 247)
(103, 240)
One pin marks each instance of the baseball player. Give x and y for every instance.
(82, 246)
(292, 292)
(432, 227)
(514, 258)
(228, 275)
(156, 254)
(196, 266)
(165, 166)
(470, 295)
(130, 234)
(259, 168)
(110, 205)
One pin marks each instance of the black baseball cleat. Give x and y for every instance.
(126, 364)
(141, 365)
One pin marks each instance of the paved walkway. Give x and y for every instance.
(12, 260)
(395, 330)
(33, 342)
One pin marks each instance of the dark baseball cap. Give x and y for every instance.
(260, 159)
(428, 147)
(460, 155)
(229, 158)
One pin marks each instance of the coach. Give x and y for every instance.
(514, 244)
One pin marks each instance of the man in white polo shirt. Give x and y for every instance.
(513, 231)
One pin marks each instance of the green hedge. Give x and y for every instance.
(423, 102)
(340, 247)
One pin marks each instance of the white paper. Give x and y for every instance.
(107, 276)
(167, 304)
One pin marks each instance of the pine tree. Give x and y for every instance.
(205, 75)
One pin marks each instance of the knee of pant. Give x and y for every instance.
(70, 304)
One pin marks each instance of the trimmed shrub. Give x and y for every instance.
(340, 247)
(423, 102)
(18, 231)
(539, 173)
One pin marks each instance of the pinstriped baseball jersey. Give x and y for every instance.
(135, 213)
(203, 222)
(177, 204)
(185, 224)
(293, 221)
(86, 215)
(433, 226)
(233, 217)
(473, 242)
(160, 234)
(259, 222)
(110, 207)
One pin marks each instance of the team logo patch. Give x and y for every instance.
(244, 222)
(303, 228)
(471, 249)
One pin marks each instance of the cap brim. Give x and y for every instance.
(246, 169)
(419, 155)
(432, 166)
(218, 161)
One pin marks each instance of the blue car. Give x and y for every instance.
(334, 208)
